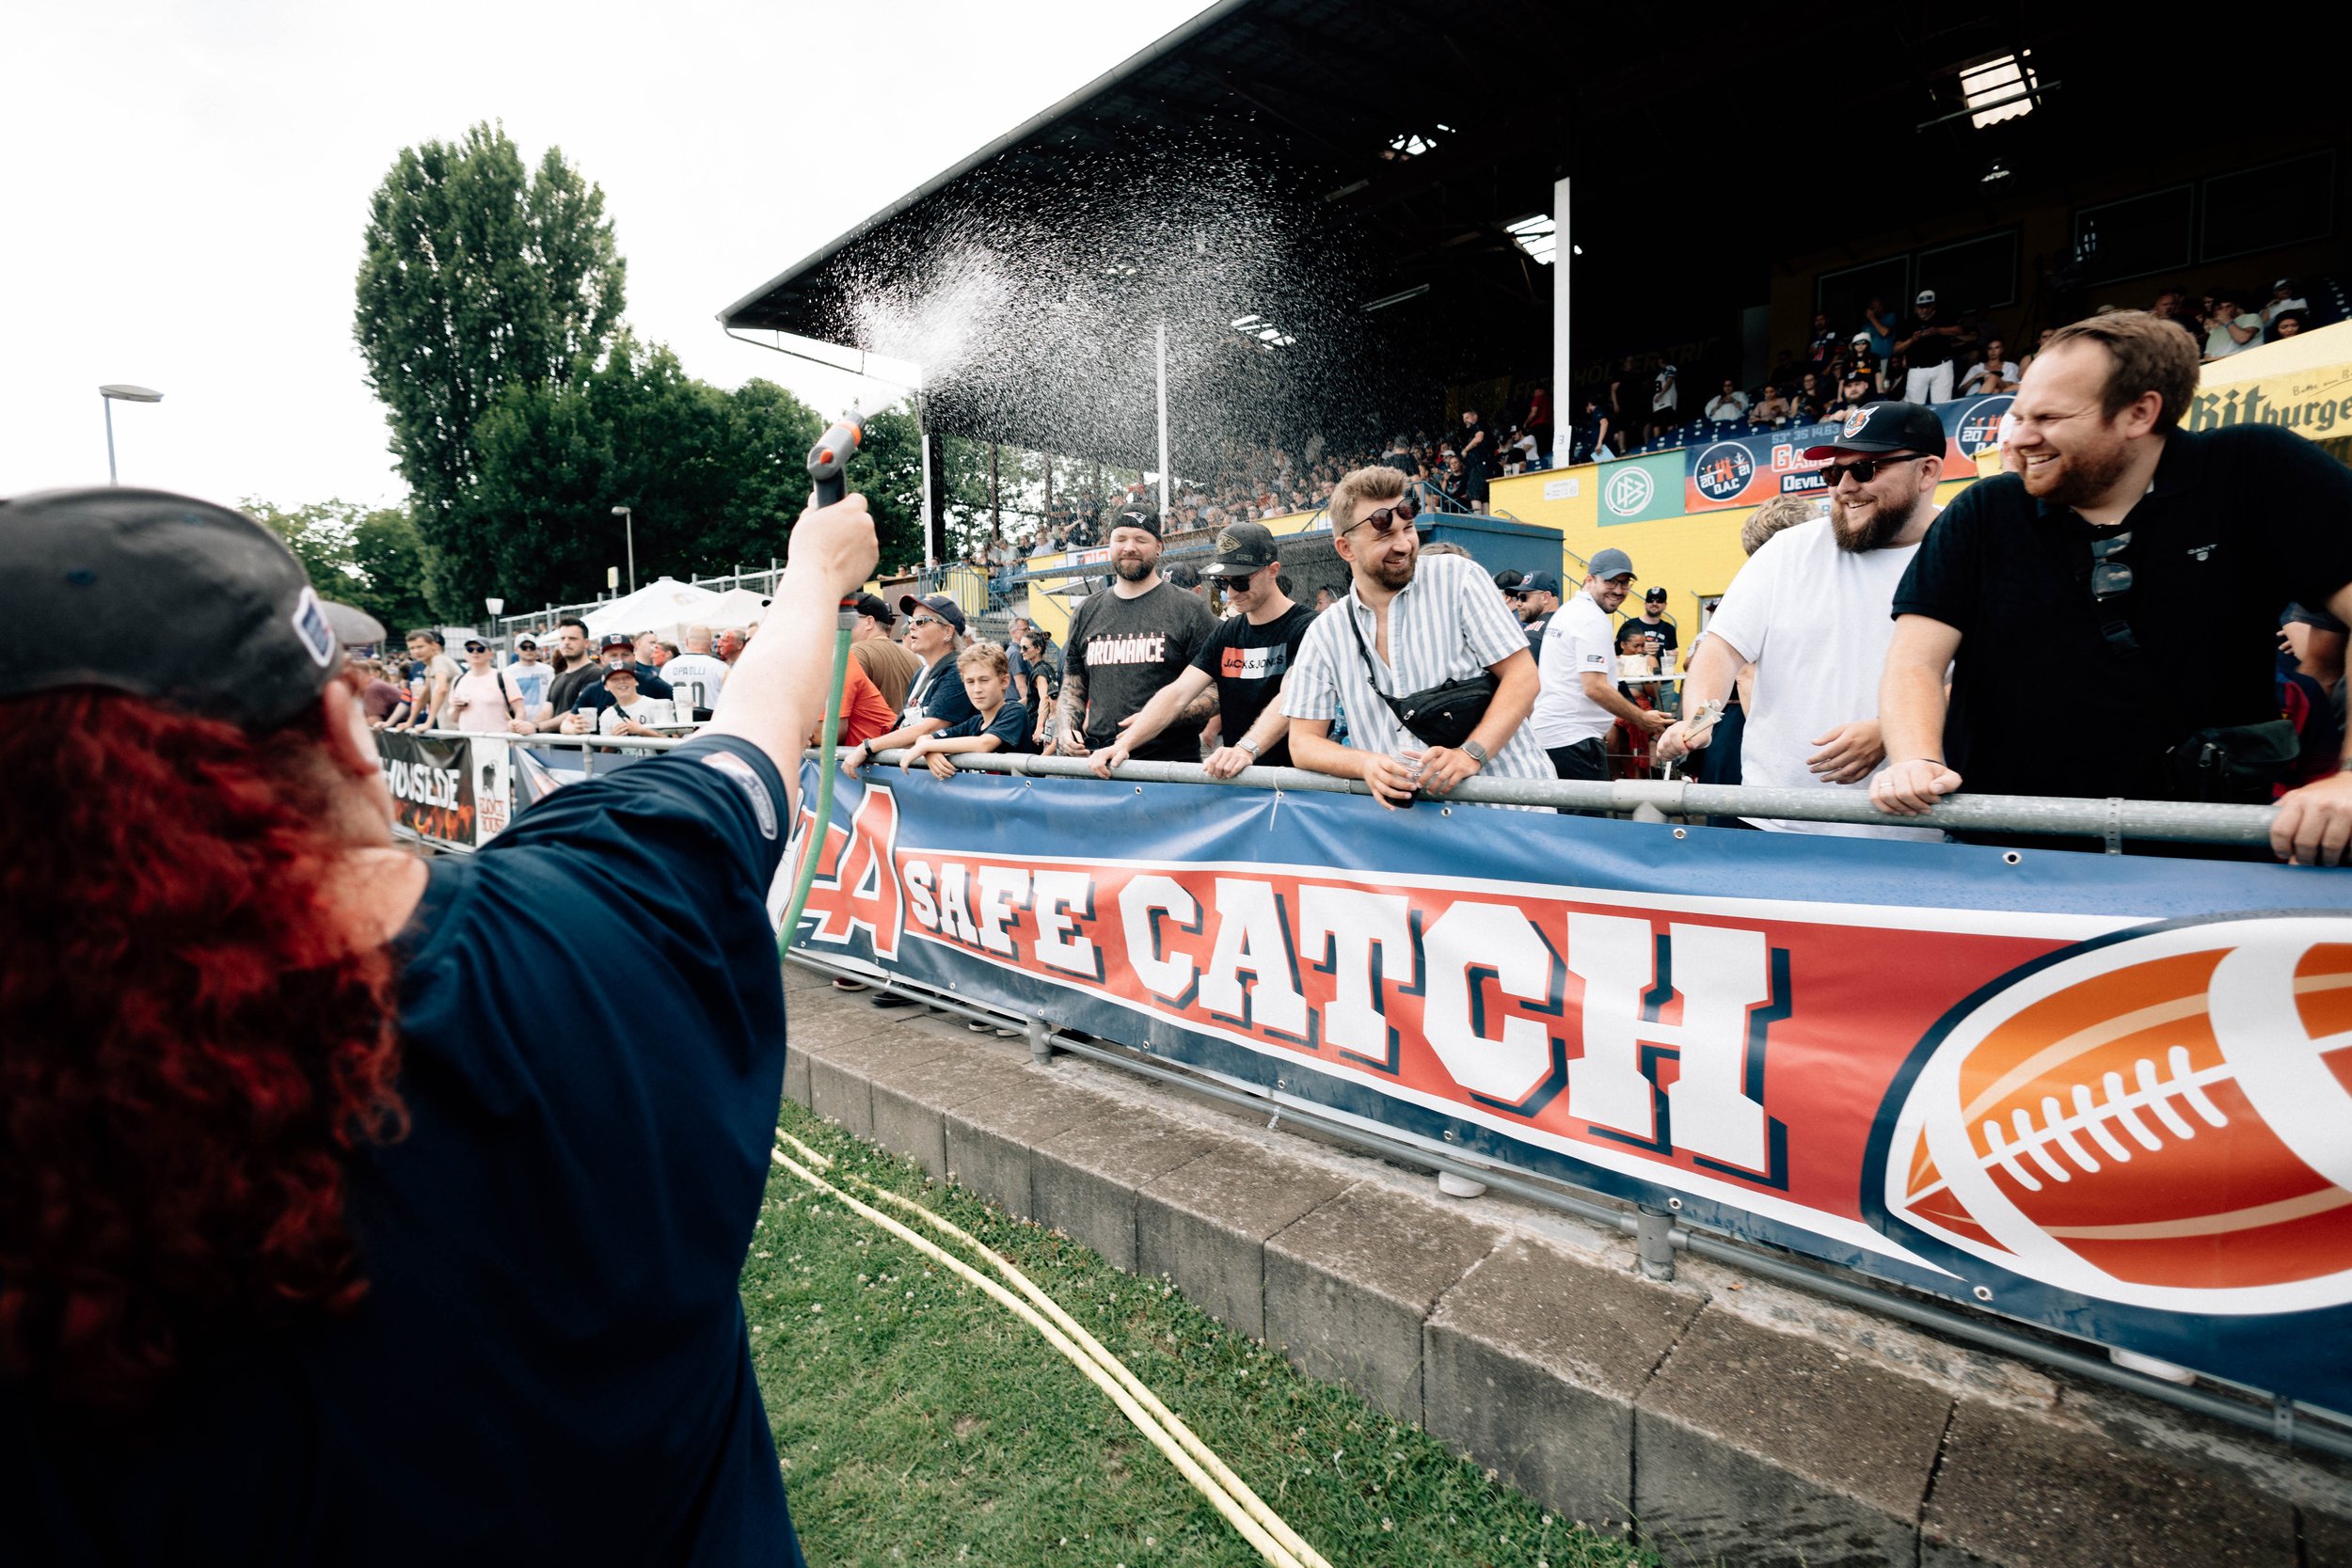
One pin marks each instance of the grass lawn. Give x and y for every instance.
(921, 1424)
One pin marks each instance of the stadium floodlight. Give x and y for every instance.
(110, 394)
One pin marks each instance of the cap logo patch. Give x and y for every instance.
(1855, 419)
(1227, 543)
(309, 625)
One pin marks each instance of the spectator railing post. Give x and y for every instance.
(1653, 1242)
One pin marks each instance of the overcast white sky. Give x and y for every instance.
(185, 187)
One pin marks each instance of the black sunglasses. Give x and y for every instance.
(1865, 470)
(1388, 518)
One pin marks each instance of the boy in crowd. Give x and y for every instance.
(998, 722)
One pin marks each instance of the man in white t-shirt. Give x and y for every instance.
(696, 676)
(1813, 610)
(1579, 698)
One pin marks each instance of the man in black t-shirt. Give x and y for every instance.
(1535, 599)
(1653, 621)
(1247, 657)
(2144, 562)
(1128, 642)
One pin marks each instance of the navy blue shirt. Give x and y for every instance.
(938, 693)
(551, 1363)
(1011, 728)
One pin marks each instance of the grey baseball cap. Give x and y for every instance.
(1610, 564)
(1241, 549)
(166, 597)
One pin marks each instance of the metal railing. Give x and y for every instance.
(2112, 821)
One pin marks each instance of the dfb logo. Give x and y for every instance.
(1724, 470)
(1627, 492)
(2158, 1119)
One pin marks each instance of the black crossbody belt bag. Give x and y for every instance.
(1440, 714)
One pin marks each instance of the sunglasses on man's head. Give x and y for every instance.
(1865, 470)
(1388, 518)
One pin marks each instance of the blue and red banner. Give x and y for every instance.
(1749, 470)
(2111, 1095)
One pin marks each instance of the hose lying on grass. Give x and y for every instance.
(1212, 1477)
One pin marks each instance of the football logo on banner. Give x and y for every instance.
(2158, 1119)
(1628, 491)
(1724, 470)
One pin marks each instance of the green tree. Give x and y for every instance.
(888, 472)
(371, 558)
(478, 278)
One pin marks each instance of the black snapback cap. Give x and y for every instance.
(166, 597)
(1886, 427)
(1241, 549)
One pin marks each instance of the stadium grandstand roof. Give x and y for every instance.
(1704, 146)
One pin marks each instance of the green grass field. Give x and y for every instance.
(919, 1422)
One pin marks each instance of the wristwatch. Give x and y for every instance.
(1247, 745)
(1473, 750)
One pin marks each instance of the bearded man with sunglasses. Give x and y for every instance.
(1410, 626)
(2146, 562)
(1812, 611)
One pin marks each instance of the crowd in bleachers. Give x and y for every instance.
(1649, 406)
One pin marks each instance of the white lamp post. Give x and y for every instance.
(628, 522)
(110, 394)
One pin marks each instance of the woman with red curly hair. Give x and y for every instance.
(353, 1207)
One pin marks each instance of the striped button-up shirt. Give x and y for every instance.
(1446, 624)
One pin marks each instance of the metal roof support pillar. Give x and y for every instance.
(995, 496)
(1564, 407)
(1163, 383)
(934, 498)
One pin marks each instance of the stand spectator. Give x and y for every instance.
(2284, 296)
(530, 676)
(2171, 305)
(1821, 352)
(1538, 425)
(429, 702)
(1127, 643)
(2288, 323)
(1593, 433)
(380, 699)
(1535, 599)
(731, 644)
(1635, 664)
(1728, 406)
(2229, 329)
(1478, 460)
(998, 722)
(1246, 658)
(1810, 615)
(2125, 547)
(1652, 623)
(1930, 344)
(891, 668)
(1810, 401)
(1771, 409)
(485, 699)
(576, 668)
(1662, 401)
(697, 676)
(1579, 700)
(1879, 324)
(1407, 627)
(1992, 373)
(630, 712)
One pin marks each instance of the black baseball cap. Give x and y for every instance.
(629, 670)
(167, 597)
(1508, 579)
(876, 606)
(617, 640)
(1241, 549)
(1886, 427)
(1134, 515)
(1535, 582)
(939, 605)
(1656, 595)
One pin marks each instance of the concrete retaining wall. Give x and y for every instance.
(1721, 1418)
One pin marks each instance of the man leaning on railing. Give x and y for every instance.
(2148, 561)
(1431, 640)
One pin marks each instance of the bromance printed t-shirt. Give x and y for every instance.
(551, 1362)
(1125, 650)
(1249, 663)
